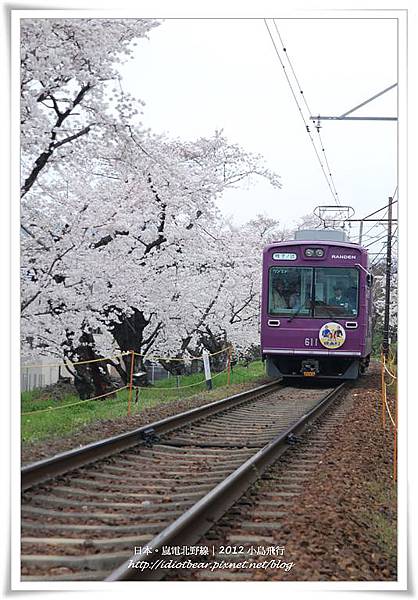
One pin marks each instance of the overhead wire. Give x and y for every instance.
(330, 181)
(372, 238)
(383, 208)
(379, 254)
(377, 224)
(376, 239)
(395, 240)
(382, 237)
(317, 127)
(382, 252)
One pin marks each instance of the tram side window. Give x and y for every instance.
(336, 292)
(290, 291)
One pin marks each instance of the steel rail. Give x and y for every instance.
(198, 519)
(43, 470)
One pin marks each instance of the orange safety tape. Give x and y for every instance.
(220, 351)
(81, 362)
(84, 362)
(31, 412)
(390, 414)
(169, 359)
(180, 386)
(119, 389)
(388, 372)
(391, 383)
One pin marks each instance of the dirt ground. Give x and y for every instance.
(343, 525)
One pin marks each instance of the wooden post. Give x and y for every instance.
(383, 393)
(229, 365)
(131, 376)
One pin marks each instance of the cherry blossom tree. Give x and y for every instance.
(123, 247)
(66, 68)
(157, 217)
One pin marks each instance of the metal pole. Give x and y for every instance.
(361, 233)
(388, 276)
(369, 100)
(329, 118)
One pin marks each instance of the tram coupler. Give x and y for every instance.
(310, 367)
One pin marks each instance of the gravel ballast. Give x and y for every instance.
(343, 525)
(339, 522)
(101, 429)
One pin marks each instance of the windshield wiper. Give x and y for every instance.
(295, 314)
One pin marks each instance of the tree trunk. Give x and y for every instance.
(214, 344)
(129, 335)
(91, 379)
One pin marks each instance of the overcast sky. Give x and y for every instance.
(200, 75)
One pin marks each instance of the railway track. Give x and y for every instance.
(85, 511)
(255, 528)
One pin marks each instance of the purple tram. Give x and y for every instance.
(316, 307)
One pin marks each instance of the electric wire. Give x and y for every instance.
(393, 240)
(334, 195)
(370, 238)
(377, 224)
(379, 254)
(383, 208)
(382, 252)
(317, 127)
(382, 237)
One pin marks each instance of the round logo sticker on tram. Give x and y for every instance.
(332, 335)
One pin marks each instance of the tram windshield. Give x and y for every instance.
(313, 292)
(290, 291)
(336, 292)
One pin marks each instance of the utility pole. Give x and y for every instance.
(385, 345)
(360, 237)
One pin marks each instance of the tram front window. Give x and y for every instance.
(336, 292)
(290, 291)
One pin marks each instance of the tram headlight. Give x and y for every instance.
(314, 252)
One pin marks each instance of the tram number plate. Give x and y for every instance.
(309, 373)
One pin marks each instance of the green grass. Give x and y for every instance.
(383, 524)
(60, 421)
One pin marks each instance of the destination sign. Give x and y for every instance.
(284, 256)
